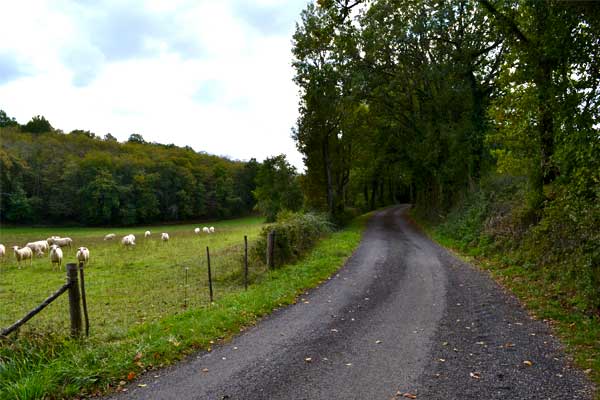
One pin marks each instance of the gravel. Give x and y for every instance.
(402, 316)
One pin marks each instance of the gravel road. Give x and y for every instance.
(402, 316)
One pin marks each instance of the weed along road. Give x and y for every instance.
(402, 318)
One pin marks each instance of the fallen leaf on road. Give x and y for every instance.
(475, 375)
(308, 359)
(205, 370)
(445, 344)
(142, 385)
(409, 395)
(131, 376)
(528, 363)
(334, 330)
(442, 360)
(348, 364)
(378, 341)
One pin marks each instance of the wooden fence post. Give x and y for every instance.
(83, 300)
(209, 275)
(271, 249)
(74, 300)
(245, 262)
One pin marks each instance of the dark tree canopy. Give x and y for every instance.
(38, 124)
(277, 187)
(78, 178)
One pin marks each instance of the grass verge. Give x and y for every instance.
(579, 331)
(51, 367)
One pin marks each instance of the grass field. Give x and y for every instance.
(125, 287)
(157, 330)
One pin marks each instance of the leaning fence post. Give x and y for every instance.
(74, 300)
(271, 249)
(245, 262)
(209, 275)
(83, 300)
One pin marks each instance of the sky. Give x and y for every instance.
(213, 75)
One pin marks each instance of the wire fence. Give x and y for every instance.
(120, 297)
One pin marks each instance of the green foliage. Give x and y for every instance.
(6, 121)
(295, 234)
(38, 124)
(136, 138)
(277, 187)
(78, 178)
(562, 246)
(485, 114)
(18, 205)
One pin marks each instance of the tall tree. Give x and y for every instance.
(277, 187)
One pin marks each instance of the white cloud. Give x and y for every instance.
(213, 75)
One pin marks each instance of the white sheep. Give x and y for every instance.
(21, 254)
(2, 251)
(51, 240)
(147, 234)
(128, 241)
(164, 237)
(83, 255)
(38, 246)
(212, 229)
(110, 236)
(205, 229)
(197, 231)
(62, 242)
(56, 255)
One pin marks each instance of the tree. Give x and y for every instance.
(6, 121)
(549, 81)
(19, 206)
(324, 47)
(38, 124)
(82, 132)
(136, 138)
(277, 187)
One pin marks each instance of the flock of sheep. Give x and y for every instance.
(54, 244)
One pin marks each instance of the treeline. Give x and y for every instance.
(424, 101)
(49, 177)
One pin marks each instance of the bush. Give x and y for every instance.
(295, 234)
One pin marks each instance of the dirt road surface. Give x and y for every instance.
(402, 316)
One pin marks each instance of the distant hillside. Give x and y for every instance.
(49, 177)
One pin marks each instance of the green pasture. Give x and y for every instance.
(144, 326)
(125, 287)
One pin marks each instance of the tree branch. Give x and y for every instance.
(511, 24)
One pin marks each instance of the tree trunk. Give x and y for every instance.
(328, 178)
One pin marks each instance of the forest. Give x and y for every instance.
(481, 113)
(49, 177)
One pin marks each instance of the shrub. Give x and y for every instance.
(295, 234)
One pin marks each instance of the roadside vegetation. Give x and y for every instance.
(144, 326)
(549, 266)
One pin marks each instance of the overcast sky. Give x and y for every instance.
(215, 74)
